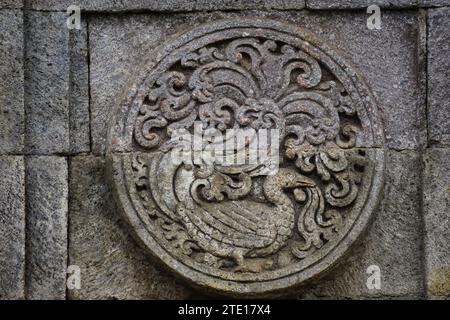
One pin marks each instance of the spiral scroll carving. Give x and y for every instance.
(234, 223)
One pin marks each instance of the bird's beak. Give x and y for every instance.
(306, 183)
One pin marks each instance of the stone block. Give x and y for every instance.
(352, 4)
(436, 198)
(79, 91)
(171, 5)
(11, 83)
(57, 90)
(393, 242)
(438, 76)
(112, 265)
(390, 60)
(12, 227)
(47, 83)
(434, 3)
(47, 196)
(11, 4)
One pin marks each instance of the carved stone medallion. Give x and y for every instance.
(234, 228)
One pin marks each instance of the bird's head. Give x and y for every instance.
(293, 179)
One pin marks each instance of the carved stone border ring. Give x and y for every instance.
(231, 228)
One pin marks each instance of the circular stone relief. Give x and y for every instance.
(240, 228)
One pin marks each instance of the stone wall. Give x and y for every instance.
(58, 88)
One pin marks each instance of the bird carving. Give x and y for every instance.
(249, 84)
(224, 222)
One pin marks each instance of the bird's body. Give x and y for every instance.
(236, 229)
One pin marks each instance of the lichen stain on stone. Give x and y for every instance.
(439, 281)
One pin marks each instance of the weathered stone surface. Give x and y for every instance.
(47, 83)
(57, 85)
(389, 60)
(12, 227)
(112, 265)
(171, 5)
(248, 238)
(203, 5)
(11, 4)
(109, 72)
(436, 188)
(57, 114)
(438, 76)
(393, 242)
(79, 90)
(434, 3)
(11, 83)
(350, 4)
(47, 206)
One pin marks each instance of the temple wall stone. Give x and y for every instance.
(12, 201)
(401, 69)
(12, 116)
(395, 243)
(61, 90)
(438, 66)
(436, 199)
(47, 208)
(112, 263)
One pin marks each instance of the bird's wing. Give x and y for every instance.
(232, 223)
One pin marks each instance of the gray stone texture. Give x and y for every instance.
(46, 226)
(350, 4)
(434, 3)
(79, 90)
(11, 4)
(51, 117)
(436, 188)
(393, 241)
(203, 5)
(390, 60)
(11, 82)
(12, 227)
(170, 5)
(112, 265)
(438, 76)
(56, 89)
(99, 242)
(47, 83)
